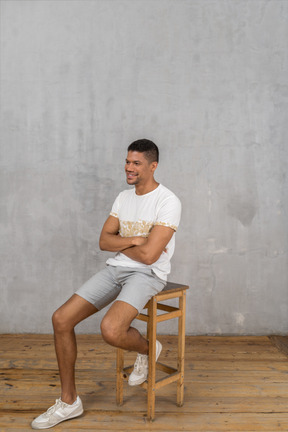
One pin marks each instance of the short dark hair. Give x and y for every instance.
(145, 146)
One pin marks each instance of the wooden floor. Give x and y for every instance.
(231, 384)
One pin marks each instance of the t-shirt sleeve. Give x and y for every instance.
(115, 208)
(169, 213)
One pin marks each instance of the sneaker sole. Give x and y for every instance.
(60, 421)
(136, 383)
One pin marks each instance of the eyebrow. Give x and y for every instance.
(138, 161)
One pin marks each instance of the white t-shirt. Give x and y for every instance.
(138, 214)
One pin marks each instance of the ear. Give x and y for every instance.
(154, 166)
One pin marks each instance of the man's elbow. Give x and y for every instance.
(150, 259)
(101, 244)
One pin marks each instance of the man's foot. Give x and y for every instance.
(57, 413)
(140, 371)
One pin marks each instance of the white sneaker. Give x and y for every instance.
(57, 413)
(140, 371)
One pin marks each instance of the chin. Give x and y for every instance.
(132, 182)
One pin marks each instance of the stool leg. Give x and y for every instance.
(119, 368)
(152, 327)
(181, 349)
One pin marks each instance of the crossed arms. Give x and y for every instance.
(141, 249)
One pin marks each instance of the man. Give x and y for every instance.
(141, 230)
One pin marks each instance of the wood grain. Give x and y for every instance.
(231, 384)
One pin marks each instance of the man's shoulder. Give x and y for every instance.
(167, 193)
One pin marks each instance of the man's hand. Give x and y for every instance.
(139, 241)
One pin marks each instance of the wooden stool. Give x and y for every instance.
(171, 291)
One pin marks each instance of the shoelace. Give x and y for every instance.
(54, 407)
(141, 361)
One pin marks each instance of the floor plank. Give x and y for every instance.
(231, 384)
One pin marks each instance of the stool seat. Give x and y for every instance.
(171, 291)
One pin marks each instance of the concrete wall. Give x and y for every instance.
(207, 81)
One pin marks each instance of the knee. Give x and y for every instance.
(60, 322)
(110, 332)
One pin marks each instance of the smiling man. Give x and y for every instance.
(141, 230)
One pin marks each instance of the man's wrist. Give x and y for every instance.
(138, 241)
(134, 241)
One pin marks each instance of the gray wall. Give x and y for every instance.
(207, 80)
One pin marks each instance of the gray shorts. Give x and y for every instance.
(130, 285)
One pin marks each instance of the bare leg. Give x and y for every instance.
(116, 328)
(75, 310)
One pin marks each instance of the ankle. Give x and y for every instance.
(68, 399)
(145, 350)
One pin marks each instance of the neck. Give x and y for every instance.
(144, 189)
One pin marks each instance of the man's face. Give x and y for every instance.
(138, 169)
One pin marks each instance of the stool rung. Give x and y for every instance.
(160, 366)
(162, 307)
(128, 369)
(142, 317)
(168, 316)
(167, 380)
(164, 368)
(163, 381)
(166, 308)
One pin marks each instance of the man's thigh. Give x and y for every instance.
(138, 286)
(75, 310)
(120, 316)
(101, 289)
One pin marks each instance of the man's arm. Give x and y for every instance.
(150, 251)
(111, 241)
